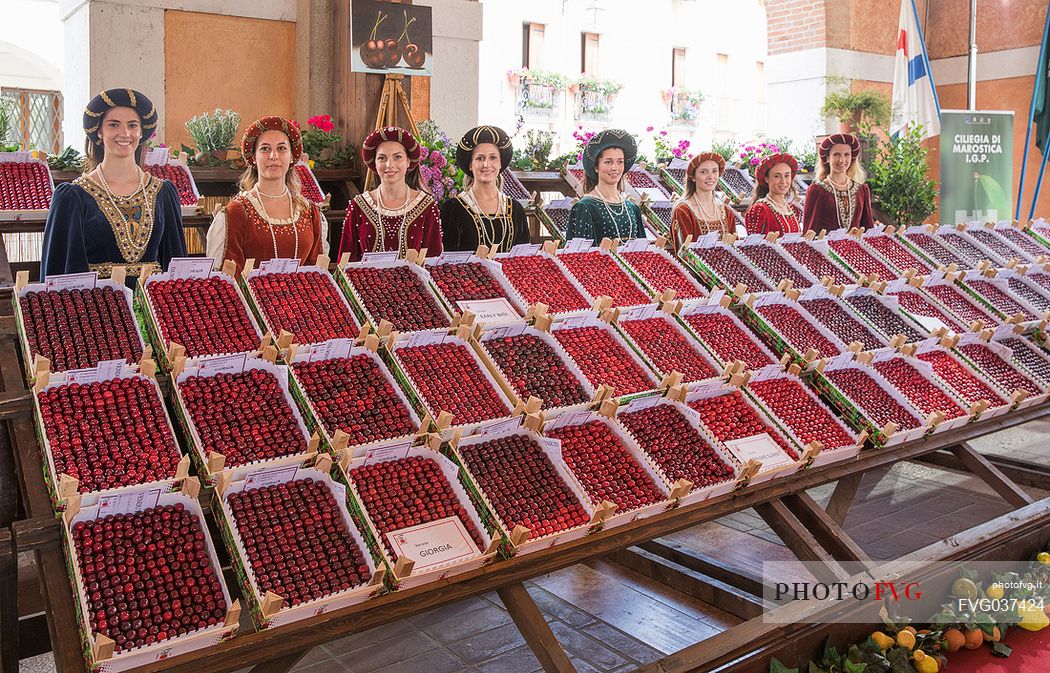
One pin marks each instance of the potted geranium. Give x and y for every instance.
(665, 149)
(319, 139)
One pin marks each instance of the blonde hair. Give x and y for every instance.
(250, 178)
(855, 171)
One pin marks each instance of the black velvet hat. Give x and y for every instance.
(112, 98)
(479, 136)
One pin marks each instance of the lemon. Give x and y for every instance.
(882, 640)
(1043, 557)
(995, 591)
(964, 588)
(925, 664)
(906, 639)
(1033, 619)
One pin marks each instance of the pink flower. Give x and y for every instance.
(755, 161)
(439, 159)
(663, 133)
(423, 153)
(649, 129)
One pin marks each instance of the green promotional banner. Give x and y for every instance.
(977, 171)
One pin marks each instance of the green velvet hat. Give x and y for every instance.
(602, 141)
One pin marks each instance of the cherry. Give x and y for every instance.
(997, 245)
(730, 416)
(797, 330)
(449, 378)
(149, 575)
(936, 250)
(356, 396)
(727, 338)
(601, 276)
(915, 303)
(1022, 241)
(802, 412)
(523, 485)
(604, 360)
(999, 370)
(466, 282)
(775, 264)
(730, 269)
(668, 349)
(860, 259)
(884, 318)
(999, 299)
(77, 329)
(309, 184)
(540, 279)
(896, 253)
(662, 273)
(605, 467)
(297, 541)
(205, 315)
(306, 303)
(407, 492)
(816, 262)
(1029, 357)
(534, 368)
(178, 176)
(959, 378)
(1030, 294)
(680, 450)
(110, 433)
(919, 390)
(25, 185)
(865, 392)
(841, 322)
(398, 295)
(960, 305)
(964, 248)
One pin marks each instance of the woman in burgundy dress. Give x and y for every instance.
(773, 207)
(399, 214)
(839, 198)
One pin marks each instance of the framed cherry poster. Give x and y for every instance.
(389, 37)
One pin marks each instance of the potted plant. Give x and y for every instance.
(213, 134)
(7, 118)
(596, 95)
(319, 139)
(900, 188)
(851, 108)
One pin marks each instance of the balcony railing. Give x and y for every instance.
(594, 106)
(539, 101)
(684, 109)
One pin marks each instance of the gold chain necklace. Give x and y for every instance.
(402, 233)
(112, 198)
(269, 223)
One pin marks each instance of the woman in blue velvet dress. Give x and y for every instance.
(115, 214)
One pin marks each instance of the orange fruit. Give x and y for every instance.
(953, 640)
(974, 638)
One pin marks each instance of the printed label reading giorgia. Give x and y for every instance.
(434, 543)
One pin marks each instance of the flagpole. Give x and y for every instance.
(1039, 183)
(1028, 131)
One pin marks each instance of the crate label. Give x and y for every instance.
(190, 267)
(125, 503)
(705, 390)
(634, 245)
(372, 257)
(434, 543)
(761, 448)
(639, 313)
(552, 445)
(500, 426)
(381, 454)
(425, 339)
(223, 364)
(110, 369)
(331, 349)
(716, 297)
(574, 322)
(929, 323)
(641, 403)
(82, 376)
(573, 418)
(72, 281)
(271, 477)
(524, 249)
(279, 266)
(452, 258)
(491, 311)
(504, 332)
(578, 245)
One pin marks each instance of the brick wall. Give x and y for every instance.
(795, 25)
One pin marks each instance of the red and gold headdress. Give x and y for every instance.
(288, 127)
(771, 161)
(389, 134)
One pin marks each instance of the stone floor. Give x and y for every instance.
(610, 619)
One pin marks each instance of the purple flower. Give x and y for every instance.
(663, 133)
(755, 161)
(439, 159)
(648, 129)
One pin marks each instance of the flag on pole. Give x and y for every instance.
(1041, 93)
(914, 95)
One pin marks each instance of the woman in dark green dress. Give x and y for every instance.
(604, 211)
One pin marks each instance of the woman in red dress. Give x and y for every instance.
(699, 212)
(839, 199)
(399, 214)
(270, 218)
(773, 207)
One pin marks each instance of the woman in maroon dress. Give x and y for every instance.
(699, 212)
(399, 214)
(773, 207)
(839, 198)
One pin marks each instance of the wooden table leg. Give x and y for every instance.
(842, 498)
(8, 603)
(825, 529)
(529, 620)
(991, 475)
(800, 541)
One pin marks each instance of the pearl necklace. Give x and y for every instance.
(112, 198)
(614, 213)
(502, 215)
(781, 215)
(269, 224)
(703, 212)
(842, 188)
